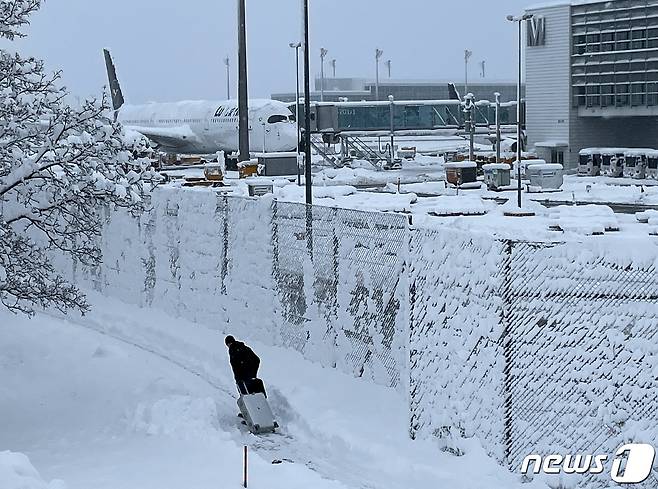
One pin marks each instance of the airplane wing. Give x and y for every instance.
(168, 137)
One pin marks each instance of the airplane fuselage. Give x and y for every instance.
(205, 127)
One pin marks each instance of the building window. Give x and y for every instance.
(557, 156)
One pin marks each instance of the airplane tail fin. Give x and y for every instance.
(453, 93)
(115, 88)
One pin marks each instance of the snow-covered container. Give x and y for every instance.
(459, 173)
(524, 166)
(496, 175)
(652, 165)
(589, 162)
(635, 163)
(257, 187)
(612, 162)
(277, 164)
(545, 176)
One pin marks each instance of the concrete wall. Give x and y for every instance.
(548, 97)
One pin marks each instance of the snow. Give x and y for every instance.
(461, 164)
(586, 220)
(495, 166)
(16, 472)
(131, 398)
(544, 166)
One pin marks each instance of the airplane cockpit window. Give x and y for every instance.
(277, 118)
(291, 118)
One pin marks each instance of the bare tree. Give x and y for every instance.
(59, 165)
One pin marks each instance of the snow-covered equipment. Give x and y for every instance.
(255, 409)
(213, 172)
(277, 164)
(635, 163)
(248, 168)
(496, 175)
(589, 162)
(612, 162)
(524, 166)
(546, 176)
(407, 152)
(652, 165)
(459, 173)
(258, 187)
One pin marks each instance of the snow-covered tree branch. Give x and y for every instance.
(58, 166)
(14, 15)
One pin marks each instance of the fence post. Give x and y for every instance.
(507, 340)
(309, 230)
(244, 463)
(225, 239)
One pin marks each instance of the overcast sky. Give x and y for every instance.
(173, 50)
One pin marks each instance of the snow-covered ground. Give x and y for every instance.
(131, 398)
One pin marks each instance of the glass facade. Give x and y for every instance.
(614, 60)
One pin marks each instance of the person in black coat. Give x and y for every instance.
(244, 363)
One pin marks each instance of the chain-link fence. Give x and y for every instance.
(533, 347)
(338, 281)
(537, 348)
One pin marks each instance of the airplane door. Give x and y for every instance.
(206, 124)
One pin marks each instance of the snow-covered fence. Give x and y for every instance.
(340, 281)
(533, 347)
(250, 267)
(456, 371)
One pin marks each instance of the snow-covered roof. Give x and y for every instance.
(552, 144)
(496, 166)
(546, 166)
(280, 154)
(461, 164)
(638, 151)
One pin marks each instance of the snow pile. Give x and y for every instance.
(177, 416)
(454, 205)
(585, 220)
(16, 472)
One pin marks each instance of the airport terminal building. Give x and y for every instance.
(591, 77)
(357, 89)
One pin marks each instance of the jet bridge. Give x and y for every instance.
(347, 121)
(402, 116)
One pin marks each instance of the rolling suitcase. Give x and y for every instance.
(255, 409)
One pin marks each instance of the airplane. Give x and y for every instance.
(204, 127)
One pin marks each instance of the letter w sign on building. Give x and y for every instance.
(536, 28)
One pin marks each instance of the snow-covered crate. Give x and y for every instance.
(496, 175)
(459, 173)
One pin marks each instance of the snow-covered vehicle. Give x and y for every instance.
(635, 163)
(589, 162)
(612, 162)
(652, 165)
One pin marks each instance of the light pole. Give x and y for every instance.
(467, 56)
(243, 109)
(519, 154)
(227, 62)
(307, 113)
(378, 54)
(497, 95)
(388, 65)
(323, 53)
(333, 67)
(296, 46)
